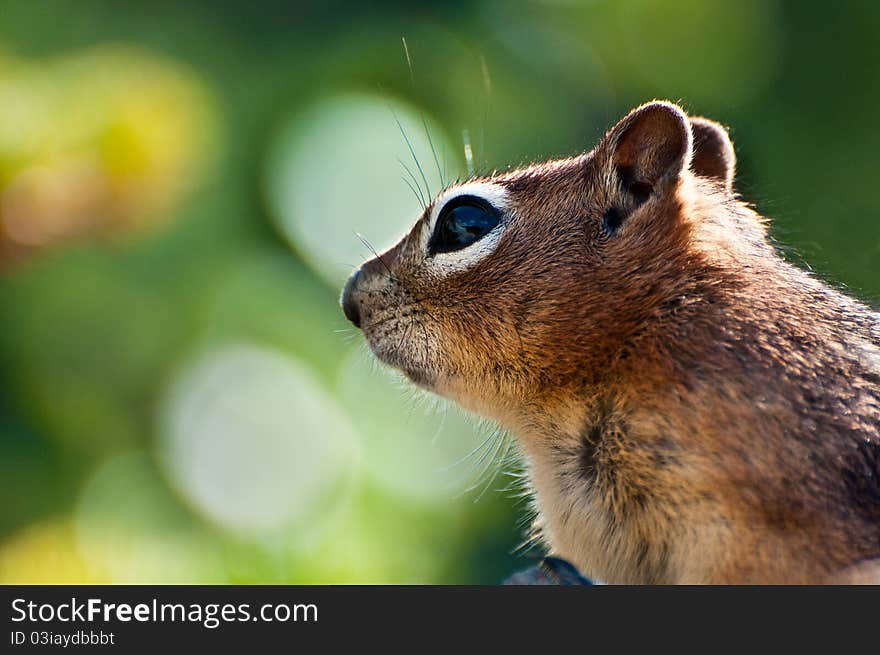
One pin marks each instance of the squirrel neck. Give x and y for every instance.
(616, 459)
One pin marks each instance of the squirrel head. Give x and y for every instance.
(522, 282)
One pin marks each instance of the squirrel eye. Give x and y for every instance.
(462, 221)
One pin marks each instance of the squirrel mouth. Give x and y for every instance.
(397, 360)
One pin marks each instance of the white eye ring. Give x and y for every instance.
(458, 260)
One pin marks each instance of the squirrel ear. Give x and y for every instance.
(650, 145)
(714, 156)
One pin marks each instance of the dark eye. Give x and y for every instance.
(462, 221)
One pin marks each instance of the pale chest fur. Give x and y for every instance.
(612, 530)
(576, 526)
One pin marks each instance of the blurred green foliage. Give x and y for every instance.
(165, 163)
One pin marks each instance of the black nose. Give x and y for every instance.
(350, 308)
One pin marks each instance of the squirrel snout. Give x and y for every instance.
(350, 307)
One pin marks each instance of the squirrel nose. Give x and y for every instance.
(350, 307)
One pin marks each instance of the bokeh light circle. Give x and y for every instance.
(339, 169)
(252, 442)
(130, 529)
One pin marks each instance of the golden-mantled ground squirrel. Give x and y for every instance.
(691, 407)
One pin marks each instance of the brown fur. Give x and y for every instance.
(691, 407)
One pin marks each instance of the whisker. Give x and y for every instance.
(369, 245)
(375, 324)
(486, 464)
(426, 357)
(403, 337)
(529, 543)
(412, 152)
(496, 464)
(494, 434)
(440, 424)
(408, 61)
(420, 194)
(468, 152)
(412, 79)
(487, 88)
(415, 193)
(463, 459)
(433, 151)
